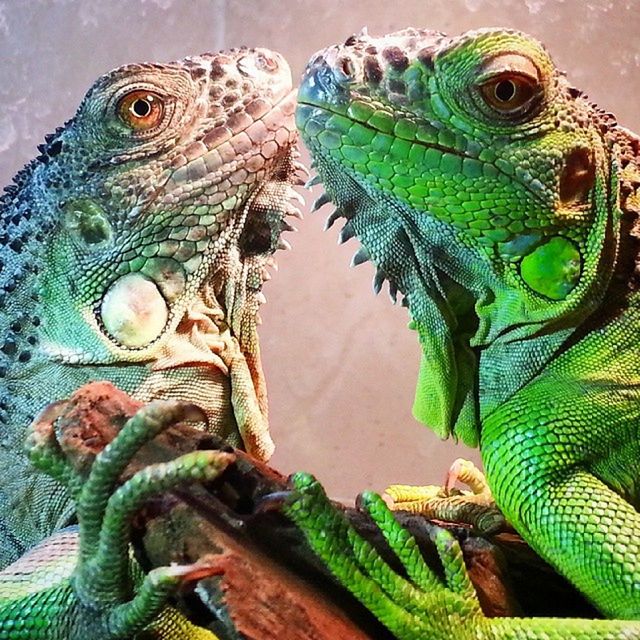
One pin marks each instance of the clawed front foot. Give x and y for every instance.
(107, 596)
(474, 507)
(420, 606)
(416, 607)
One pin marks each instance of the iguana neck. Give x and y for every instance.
(619, 304)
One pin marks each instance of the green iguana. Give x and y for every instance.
(134, 250)
(504, 206)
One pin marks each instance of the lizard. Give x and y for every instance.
(134, 250)
(503, 206)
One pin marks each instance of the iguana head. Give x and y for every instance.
(478, 181)
(151, 216)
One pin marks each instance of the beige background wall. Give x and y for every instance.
(341, 364)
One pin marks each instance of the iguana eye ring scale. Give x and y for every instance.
(133, 250)
(503, 206)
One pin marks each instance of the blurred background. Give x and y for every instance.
(340, 363)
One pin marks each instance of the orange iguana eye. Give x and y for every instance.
(141, 110)
(508, 92)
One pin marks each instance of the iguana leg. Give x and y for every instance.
(420, 606)
(447, 503)
(569, 444)
(85, 584)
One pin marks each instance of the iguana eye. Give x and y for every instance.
(508, 92)
(141, 110)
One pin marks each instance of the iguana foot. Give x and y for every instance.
(421, 605)
(418, 606)
(96, 587)
(474, 507)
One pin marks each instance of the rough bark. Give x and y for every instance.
(271, 586)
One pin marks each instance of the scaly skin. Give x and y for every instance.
(81, 582)
(503, 205)
(134, 250)
(137, 256)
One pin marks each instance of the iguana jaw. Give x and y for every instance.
(420, 255)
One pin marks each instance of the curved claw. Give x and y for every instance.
(205, 568)
(157, 586)
(464, 471)
(275, 501)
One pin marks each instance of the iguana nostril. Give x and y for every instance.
(266, 62)
(326, 77)
(319, 84)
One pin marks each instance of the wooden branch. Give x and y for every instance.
(271, 585)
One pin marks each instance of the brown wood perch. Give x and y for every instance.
(271, 585)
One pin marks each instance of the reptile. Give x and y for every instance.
(502, 205)
(133, 250)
